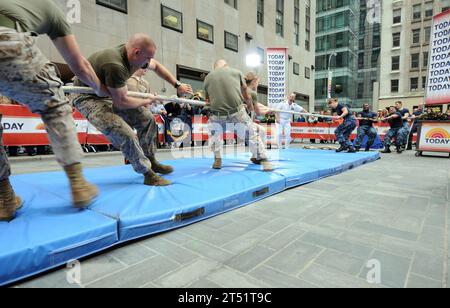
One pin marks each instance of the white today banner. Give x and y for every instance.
(277, 77)
(438, 88)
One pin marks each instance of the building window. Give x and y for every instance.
(414, 84)
(394, 86)
(427, 35)
(231, 41)
(429, 12)
(296, 69)
(232, 3)
(360, 90)
(424, 83)
(396, 39)
(415, 59)
(297, 22)
(205, 32)
(307, 73)
(425, 59)
(416, 36)
(308, 41)
(262, 54)
(417, 12)
(397, 16)
(280, 18)
(361, 61)
(396, 63)
(171, 19)
(118, 5)
(260, 13)
(375, 57)
(308, 24)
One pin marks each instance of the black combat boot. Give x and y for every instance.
(342, 148)
(386, 150)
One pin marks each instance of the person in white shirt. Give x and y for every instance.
(285, 119)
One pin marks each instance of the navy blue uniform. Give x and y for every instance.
(397, 131)
(414, 129)
(403, 112)
(366, 129)
(344, 131)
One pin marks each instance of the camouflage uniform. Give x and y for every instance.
(5, 170)
(344, 131)
(243, 123)
(117, 125)
(26, 76)
(400, 135)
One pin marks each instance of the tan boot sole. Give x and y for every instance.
(157, 182)
(267, 167)
(19, 203)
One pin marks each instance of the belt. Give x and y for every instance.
(7, 22)
(226, 113)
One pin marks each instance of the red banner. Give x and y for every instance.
(23, 128)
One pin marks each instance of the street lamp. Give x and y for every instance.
(330, 75)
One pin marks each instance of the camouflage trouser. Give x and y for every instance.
(344, 131)
(400, 135)
(5, 170)
(241, 123)
(117, 125)
(368, 131)
(26, 76)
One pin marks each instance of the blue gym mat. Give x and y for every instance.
(48, 232)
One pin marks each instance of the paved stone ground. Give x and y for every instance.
(394, 211)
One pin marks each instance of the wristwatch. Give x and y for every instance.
(177, 85)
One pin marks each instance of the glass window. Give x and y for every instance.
(205, 31)
(118, 5)
(396, 39)
(307, 73)
(296, 68)
(396, 63)
(232, 3)
(231, 41)
(171, 19)
(424, 82)
(262, 54)
(427, 35)
(415, 59)
(280, 18)
(414, 84)
(260, 12)
(429, 9)
(394, 86)
(397, 16)
(361, 61)
(416, 36)
(425, 59)
(417, 11)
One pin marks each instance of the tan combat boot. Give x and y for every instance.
(83, 192)
(9, 202)
(157, 167)
(217, 163)
(267, 166)
(152, 179)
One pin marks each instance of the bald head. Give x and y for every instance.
(141, 49)
(220, 64)
(141, 41)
